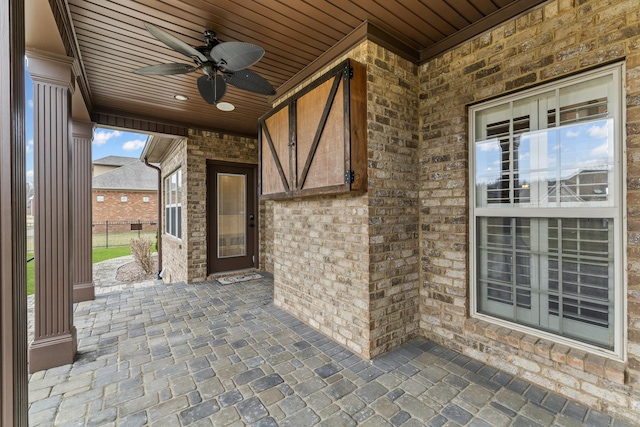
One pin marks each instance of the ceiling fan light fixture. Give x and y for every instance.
(181, 97)
(225, 106)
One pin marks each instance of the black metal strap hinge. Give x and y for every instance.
(348, 73)
(349, 177)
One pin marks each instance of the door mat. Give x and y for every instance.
(236, 279)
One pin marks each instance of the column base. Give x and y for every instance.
(51, 352)
(83, 292)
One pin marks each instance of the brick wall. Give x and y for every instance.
(349, 265)
(134, 209)
(203, 146)
(321, 269)
(552, 41)
(392, 116)
(375, 269)
(186, 259)
(174, 251)
(265, 228)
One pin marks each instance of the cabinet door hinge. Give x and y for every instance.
(349, 177)
(348, 73)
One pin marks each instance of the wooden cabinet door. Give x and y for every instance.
(315, 143)
(274, 151)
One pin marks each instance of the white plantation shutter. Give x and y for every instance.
(546, 208)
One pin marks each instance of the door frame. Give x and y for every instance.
(252, 198)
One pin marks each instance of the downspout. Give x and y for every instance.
(146, 162)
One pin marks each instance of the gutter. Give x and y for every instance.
(146, 162)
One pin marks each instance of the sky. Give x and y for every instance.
(562, 151)
(106, 142)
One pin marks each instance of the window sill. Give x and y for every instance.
(173, 239)
(581, 356)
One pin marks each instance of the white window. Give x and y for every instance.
(99, 198)
(123, 198)
(145, 199)
(546, 231)
(173, 204)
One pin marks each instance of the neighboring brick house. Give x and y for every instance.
(460, 207)
(124, 189)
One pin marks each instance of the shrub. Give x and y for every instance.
(141, 251)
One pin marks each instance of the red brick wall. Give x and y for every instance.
(134, 209)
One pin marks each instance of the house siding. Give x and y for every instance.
(559, 39)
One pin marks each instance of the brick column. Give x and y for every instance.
(13, 282)
(82, 266)
(54, 341)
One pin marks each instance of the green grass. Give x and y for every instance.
(99, 254)
(103, 254)
(31, 276)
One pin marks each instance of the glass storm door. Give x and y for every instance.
(231, 217)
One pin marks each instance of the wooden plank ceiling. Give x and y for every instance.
(113, 41)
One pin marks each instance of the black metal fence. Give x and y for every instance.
(108, 234)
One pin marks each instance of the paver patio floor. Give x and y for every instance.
(211, 354)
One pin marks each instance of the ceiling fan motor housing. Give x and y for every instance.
(210, 38)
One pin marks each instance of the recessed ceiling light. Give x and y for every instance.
(181, 97)
(225, 106)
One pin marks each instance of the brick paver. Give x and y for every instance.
(224, 355)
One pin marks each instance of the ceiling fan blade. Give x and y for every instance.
(175, 43)
(166, 69)
(211, 89)
(235, 56)
(248, 80)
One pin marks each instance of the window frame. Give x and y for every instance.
(617, 71)
(173, 204)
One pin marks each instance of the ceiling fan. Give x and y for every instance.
(221, 63)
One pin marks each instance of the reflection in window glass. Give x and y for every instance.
(173, 204)
(542, 163)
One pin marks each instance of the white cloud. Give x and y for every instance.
(101, 137)
(600, 150)
(572, 134)
(599, 131)
(492, 145)
(30, 175)
(30, 103)
(29, 146)
(133, 145)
